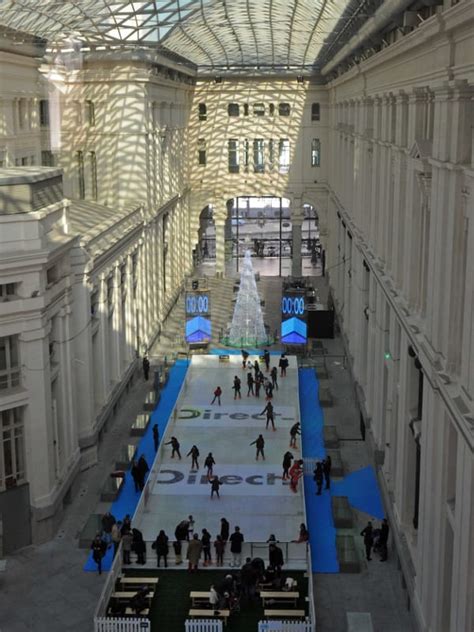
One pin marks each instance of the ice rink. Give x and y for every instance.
(252, 494)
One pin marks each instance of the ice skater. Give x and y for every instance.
(209, 463)
(175, 445)
(250, 382)
(245, 355)
(258, 384)
(217, 395)
(266, 359)
(156, 437)
(283, 364)
(236, 387)
(274, 376)
(194, 453)
(259, 443)
(268, 389)
(296, 472)
(215, 484)
(294, 431)
(270, 415)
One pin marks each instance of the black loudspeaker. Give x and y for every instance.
(195, 285)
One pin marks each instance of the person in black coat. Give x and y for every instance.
(135, 472)
(275, 555)
(266, 359)
(224, 529)
(259, 443)
(274, 376)
(206, 547)
(143, 468)
(140, 601)
(156, 437)
(270, 415)
(287, 458)
(245, 355)
(236, 387)
(250, 382)
(215, 484)
(194, 453)
(161, 547)
(368, 535)
(209, 463)
(139, 546)
(283, 364)
(146, 367)
(99, 548)
(175, 445)
(318, 477)
(327, 463)
(383, 540)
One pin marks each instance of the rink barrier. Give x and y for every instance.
(117, 624)
(203, 625)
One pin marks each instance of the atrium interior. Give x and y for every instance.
(148, 149)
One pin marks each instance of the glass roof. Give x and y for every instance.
(213, 34)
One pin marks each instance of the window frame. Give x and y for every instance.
(233, 168)
(284, 149)
(202, 111)
(284, 109)
(316, 152)
(233, 110)
(258, 150)
(315, 111)
(12, 433)
(10, 376)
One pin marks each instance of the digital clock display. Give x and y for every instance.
(292, 305)
(197, 304)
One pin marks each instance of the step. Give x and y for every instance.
(347, 554)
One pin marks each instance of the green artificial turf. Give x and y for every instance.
(171, 604)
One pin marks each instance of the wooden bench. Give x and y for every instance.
(270, 586)
(128, 594)
(199, 597)
(140, 424)
(280, 596)
(131, 612)
(284, 614)
(195, 613)
(140, 581)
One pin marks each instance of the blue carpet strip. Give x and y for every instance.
(128, 497)
(322, 533)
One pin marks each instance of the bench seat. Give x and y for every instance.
(284, 614)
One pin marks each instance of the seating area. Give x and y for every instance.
(125, 601)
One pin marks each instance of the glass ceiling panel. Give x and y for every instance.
(213, 34)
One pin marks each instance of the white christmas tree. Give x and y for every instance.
(247, 327)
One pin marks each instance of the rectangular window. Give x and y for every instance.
(47, 159)
(315, 112)
(202, 151)
(90, 112)
(12, 451)
(80, 168)
(284, 109)
(24, 161)
(9, 363)
(93, 174)
(202, 109)
(7, 290)
(22, 113)
(258, 156)
(233, 153)
(259, 109)
(284, 155)
(44, 112)
(315, 152)
(233, 109)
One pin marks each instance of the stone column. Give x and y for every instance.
(219, 223)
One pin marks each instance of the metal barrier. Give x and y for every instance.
(117, 624)
(203, 625)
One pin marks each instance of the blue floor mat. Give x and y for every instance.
(362, 490)
(237, 352)
(322, 532)
(128, 497)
